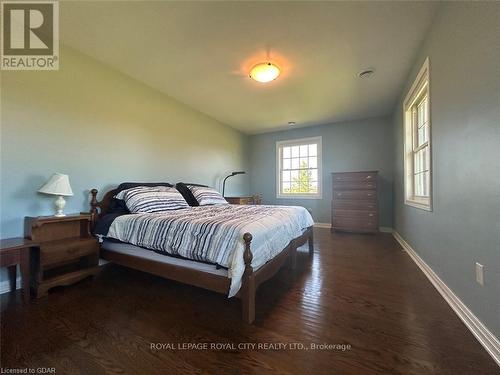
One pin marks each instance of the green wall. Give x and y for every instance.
(463, 47)
(101, 128)
(348, 146)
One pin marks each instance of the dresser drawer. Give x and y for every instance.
(355, 214)
(369, 195)
(57, 252)
(354, 177)
(354, 185)
(351, 223)
(344, 204)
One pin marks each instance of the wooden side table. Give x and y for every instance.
(14, 251)
(253, 199)
(67, 251)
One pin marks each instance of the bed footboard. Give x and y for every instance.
(248, 283)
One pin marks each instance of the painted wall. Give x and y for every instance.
(101, 128)
(463, 46)
(349, 146)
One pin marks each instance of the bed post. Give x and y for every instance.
(248, 297)
(93, 208)
(293, 255)
(311, 241)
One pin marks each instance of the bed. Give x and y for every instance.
(186, 245)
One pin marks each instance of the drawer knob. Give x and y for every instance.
(369, 195)
(368, 177)
(370, 215)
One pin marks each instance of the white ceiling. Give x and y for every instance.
(200, 53)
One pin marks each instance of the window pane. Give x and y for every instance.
(304, 187)
(313, 162)
(285, 176)
(303, 163)
(295, 163)
(313, 174)
(313, 150)
(420, 162)
(425, 184)
(421, 113)
(295, 188)
(287, 163)
(418, 184)
(286, 187)
(303, 150)
(294, 176)
(286, 152)
(422, 134)
(314, 187)
(295, 151)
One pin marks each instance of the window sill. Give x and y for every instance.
(422, 205)
(297, 196)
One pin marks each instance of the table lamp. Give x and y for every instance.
(231, 175)
(58, 185)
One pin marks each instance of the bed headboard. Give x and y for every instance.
(97, 208)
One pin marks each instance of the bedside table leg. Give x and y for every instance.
(12, 277)
(25, 273)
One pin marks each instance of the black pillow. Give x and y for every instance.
(118, 206)
(183, 188)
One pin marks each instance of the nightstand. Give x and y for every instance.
(253, 199)
(14, 251)
(67, 252)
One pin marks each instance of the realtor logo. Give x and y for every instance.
(30, 35)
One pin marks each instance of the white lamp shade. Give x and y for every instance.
(58, 184)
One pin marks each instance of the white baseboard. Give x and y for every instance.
(385, 229)
(478, 329)
(323, 225)
(5, 284)
(329, 225)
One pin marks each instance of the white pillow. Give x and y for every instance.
(152, 199)
(206, 195)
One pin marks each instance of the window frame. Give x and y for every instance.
(419, 89)
(296, 142)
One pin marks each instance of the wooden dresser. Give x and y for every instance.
(354, 204)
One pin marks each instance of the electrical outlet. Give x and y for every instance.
(480, 274)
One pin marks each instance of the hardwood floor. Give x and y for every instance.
(358, 290)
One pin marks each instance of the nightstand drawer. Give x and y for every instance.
(57, 252)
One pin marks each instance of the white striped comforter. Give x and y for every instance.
(215, 233)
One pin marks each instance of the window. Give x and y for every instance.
(417, 127)
(299, 168)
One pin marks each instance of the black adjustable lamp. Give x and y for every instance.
(231, 175)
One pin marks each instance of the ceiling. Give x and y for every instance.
(201, 52)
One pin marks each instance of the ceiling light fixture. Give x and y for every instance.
(291, 123)
(366, 73)
(264, 72)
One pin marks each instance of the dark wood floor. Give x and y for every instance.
(358, 290)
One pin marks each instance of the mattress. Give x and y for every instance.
(129, 249)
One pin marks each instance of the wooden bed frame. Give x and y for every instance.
(217, 283)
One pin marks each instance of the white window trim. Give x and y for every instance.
(410, 199)
(294, 142)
